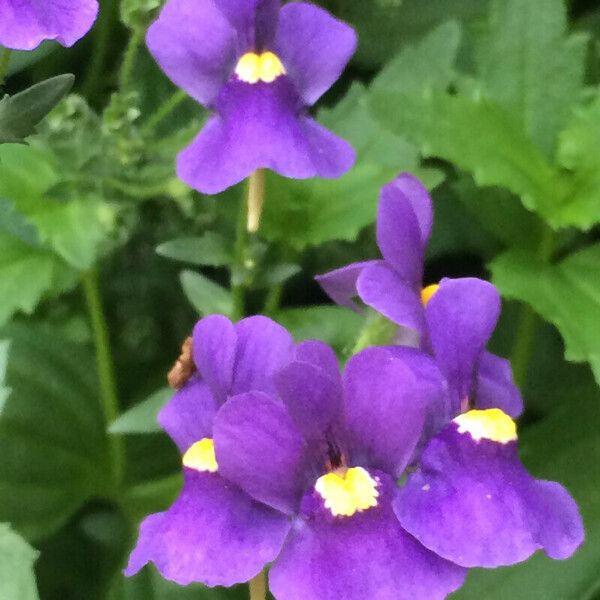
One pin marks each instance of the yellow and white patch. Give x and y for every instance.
(201, 456)
(491, 424)
(265, 67)
(347, 493)
(428, 292)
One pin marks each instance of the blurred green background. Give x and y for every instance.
(495, 104)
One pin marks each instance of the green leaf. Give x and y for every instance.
(564, 447)
(16, 225)
(388, 24)
(311, 212)
(52, 439)
(578, 152)
(531, 68)
(149, 585)
(500, 214)
(211, 249)
(426, 65)
(17, 579)
(477, 136)
(334, 325)
(141, 418)
(566, 294)
(74, 228)
(205, 295)
(19, 114)
(26, 275)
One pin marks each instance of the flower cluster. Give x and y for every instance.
(24, 24)
(387, 481)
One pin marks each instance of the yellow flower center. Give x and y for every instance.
(428, 292)
(349, 492)
(491, 424)
(201, 456)
(266, 67)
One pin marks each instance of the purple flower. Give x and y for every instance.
(472, 501)
(454, 319)
(24, 24)
(214, 532)
(327, 452)
(257, 67)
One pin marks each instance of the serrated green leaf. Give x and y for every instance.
(564, 447)
(210, 249)
(579, 152)
(477, 136)
(149, 585)
(16, 225)
(52, 439)
(205, 295)
(530, 67)
(310, 212)
(74, 228)
(141, 418)
(334, 325)
(429, 64)
(566, 294)
(19, 114)
(17, 579)
(26, 275)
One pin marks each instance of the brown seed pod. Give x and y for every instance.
(184, 366)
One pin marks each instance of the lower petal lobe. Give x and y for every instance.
(261, 126)
(367, 555)
(473, 503)
(24, 25)
(213, 533)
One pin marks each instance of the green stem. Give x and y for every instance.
(238, 291)
(131, 51)
(258, 587)
(524, 343)
(135, 190)
(106, 375)
(164, 111)
(273, 300)
(4, 62)
(377, 331)
(528, 321)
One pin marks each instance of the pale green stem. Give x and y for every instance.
(4, 62)
(258, 587)
(238, 291)
(164, 111)
(106, 376)
(256, 199)
(248, 222)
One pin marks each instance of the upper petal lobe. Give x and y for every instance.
(195, 45)
(314, 47)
